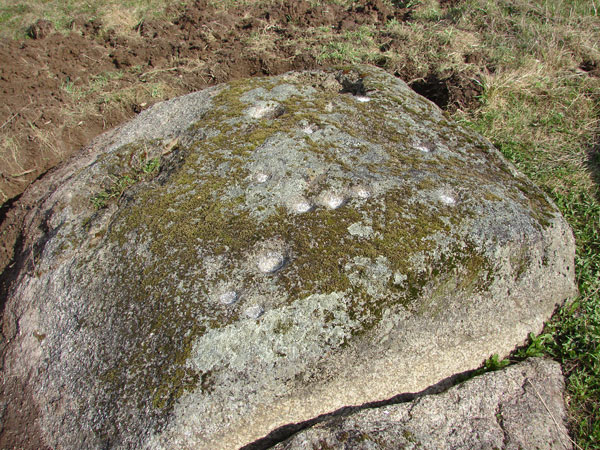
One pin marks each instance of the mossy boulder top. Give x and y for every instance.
(265, 251)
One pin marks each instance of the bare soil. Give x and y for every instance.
(200, 47)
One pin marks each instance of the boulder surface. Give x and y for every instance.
(520, 407)
(263, 252)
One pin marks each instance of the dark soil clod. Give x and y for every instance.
(41, 29)
(591, 67)
(450, 92)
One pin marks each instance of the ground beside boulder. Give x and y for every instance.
(264, 252)
(520, 407)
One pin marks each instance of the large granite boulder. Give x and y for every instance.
(520, 407)
(263, 252)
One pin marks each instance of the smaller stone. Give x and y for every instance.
(254, 312)
(519, 407)
(228, 297)
(332, 200)
(362, 98)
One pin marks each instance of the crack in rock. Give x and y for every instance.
(284, 433)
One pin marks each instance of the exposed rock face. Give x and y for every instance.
(521, 407)
(266, 251)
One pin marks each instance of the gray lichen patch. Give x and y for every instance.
(358, 229)
(282, 343)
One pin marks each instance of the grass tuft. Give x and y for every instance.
(118, 185)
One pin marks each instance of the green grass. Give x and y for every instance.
(358, 46)
(118, 185)
(97, 85)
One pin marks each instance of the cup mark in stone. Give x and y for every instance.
(447, 199)
(265, 110)
(228, 297)
(270, 261)
(262, 177)
(301, 205)
(332, 200)
(254, 312)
